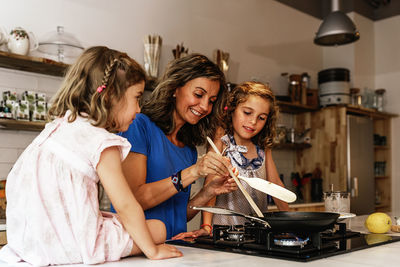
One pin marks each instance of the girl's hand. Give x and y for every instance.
(191, 235)
(222, 184)
(165, 251)
(212, 163)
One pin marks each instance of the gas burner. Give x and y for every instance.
(290, 240)
(235, 235)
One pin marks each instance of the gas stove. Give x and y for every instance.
(260, 241)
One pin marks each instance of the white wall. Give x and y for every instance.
(387, 71)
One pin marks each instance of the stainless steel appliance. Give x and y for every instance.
(360, 164)
(334, 86)
(257, 240)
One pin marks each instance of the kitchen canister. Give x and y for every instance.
(334, 85)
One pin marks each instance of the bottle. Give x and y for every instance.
(378, 99)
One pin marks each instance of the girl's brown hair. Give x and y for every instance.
(162, 104)
(240, 94)
(96, 66)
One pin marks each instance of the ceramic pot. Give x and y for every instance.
(21, 42)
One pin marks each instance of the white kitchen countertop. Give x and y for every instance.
(385, 255)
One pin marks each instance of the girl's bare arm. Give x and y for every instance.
(131, 213)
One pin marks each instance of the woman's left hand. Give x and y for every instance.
(191, 235)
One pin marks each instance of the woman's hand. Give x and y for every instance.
(212, 163)
(191, 235)
(164, 251)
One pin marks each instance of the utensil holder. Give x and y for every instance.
(152, 59)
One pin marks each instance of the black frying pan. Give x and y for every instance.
(286, 221)
(296, 221)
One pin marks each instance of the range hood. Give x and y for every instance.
(336, 29)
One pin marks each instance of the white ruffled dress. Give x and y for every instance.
(53, 214)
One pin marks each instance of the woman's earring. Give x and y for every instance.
(174, 95)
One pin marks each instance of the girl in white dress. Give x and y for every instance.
(53, 214)
(247, 139)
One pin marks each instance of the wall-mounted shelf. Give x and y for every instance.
(381, 177)
(9, 124)
(288, 107)
(381, 147)
(32, 64)
(350, 109)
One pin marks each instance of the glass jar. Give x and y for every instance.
(355, 97)
(378, 99)
(337, 201)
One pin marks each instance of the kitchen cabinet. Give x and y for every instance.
(29, 64)
(329, 135)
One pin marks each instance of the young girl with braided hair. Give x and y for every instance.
(250, 116)
(53, 214)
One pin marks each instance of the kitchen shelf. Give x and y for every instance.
(351, 109)
(32, 64)
(288, 107)
(381, 147)
(292, 146)
(10, 124)
(381, 177)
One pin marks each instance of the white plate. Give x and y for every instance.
(343, 216)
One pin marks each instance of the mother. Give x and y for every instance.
(183, 110)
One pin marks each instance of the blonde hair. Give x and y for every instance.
(97, 66)
(240, 94)
(161, 104)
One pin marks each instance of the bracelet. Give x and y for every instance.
(176, 181)
(181, 188)
(206, 224)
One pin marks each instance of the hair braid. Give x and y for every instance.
(108, 71)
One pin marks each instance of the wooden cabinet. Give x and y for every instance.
(30, 64)
(329, 149)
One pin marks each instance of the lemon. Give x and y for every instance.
(378, 223)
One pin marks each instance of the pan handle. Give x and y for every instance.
(223, 211)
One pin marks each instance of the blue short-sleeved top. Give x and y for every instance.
(163, 160)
